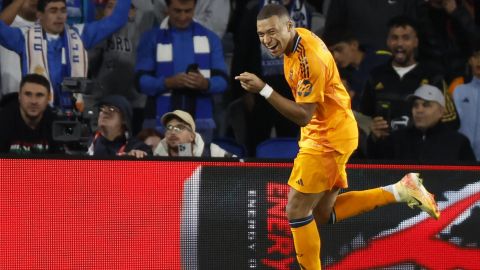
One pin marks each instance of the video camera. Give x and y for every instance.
(78, 85)
(73, 127)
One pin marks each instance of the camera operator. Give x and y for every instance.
(112, 137)
(26, 126)
(428, 140)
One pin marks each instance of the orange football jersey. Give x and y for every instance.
(313, 76)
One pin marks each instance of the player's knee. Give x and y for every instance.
(297, 210)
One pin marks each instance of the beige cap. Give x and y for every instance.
(430, 93)
(182, 115)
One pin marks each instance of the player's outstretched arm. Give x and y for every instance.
(299, 113)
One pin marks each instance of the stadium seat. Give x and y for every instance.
(286, 148)
(230, 146)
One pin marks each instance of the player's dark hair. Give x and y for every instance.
(43, 3)
(36, 79)
(272, 10)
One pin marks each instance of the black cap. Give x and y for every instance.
(122, 104)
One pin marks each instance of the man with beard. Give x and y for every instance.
(389, 84)
(27, 125)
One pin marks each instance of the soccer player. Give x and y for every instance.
(329, 135)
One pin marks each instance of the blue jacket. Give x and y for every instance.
(90, 33)
(152, 82)
(467, 101)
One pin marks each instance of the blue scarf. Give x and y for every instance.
(165, 66)
(201, 48)
(74, 59)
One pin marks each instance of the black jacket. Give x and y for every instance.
(438, 144)
(17, 137)
(105, 148)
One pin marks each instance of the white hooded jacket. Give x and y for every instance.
(197, 151)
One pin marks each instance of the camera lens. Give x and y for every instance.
(68, 131)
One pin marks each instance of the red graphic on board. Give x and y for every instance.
(419, 245)
(90, 214)
(281, 252)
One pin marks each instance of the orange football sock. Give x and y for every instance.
(307, 242)
(354, 203)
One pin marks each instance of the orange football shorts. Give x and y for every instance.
(319, 171)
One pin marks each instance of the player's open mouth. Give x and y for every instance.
(273, 48)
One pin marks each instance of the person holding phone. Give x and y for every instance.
(180, 65)
(390, 83)
(428, 139)
(181, 140)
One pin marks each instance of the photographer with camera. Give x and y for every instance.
(428, 140)
(27, 125)
(113, 136)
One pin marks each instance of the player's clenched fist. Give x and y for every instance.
(250, 82)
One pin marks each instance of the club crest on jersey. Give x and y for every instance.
(304, 88)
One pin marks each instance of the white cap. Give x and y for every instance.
(430, 93)
(182, 115)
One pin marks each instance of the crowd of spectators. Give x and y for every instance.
(162, 75)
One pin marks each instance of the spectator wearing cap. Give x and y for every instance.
(182, 140)
(112, 137)
(427, 140)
